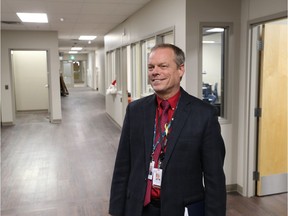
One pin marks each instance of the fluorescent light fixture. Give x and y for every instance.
(208, 42)
(215, 30)
(33, 17)
(73, 52)
(76, 48)
(87, 37)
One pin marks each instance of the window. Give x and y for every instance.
(109, 63)
(166, 38)
(136, 70)
(146, 48)
(214, 59)
(118, 70)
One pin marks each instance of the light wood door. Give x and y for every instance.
(272, 130)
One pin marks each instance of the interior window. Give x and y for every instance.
(168, 38)
(146, 48)
(109, 63)
(117, 70)
(214, 44)
(135, 70)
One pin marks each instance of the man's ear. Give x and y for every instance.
(181, 70)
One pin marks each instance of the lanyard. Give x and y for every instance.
(162, 135)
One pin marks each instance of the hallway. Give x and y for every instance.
(66, 169)
(60, 169)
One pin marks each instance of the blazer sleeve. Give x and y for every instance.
(121, 172)
(213, 153)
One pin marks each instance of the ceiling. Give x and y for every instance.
(81, 17)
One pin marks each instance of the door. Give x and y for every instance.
(30, 79)
(68, 73)
(272, 123)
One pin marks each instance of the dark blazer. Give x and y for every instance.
(195, 149)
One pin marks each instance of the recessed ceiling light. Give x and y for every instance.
(33, 17)
(215, 30)
(87, 37)
(73, 52)
(76, 48)
(208, 42)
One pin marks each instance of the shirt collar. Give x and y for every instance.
(172, 100)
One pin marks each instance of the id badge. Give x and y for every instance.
(157, 177)
(186, 212)
(151, 167)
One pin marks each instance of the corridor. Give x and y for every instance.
(66, 169)
(60, 169)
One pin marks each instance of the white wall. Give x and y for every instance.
(252, 11)
(29, 40)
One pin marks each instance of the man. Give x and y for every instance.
(174, 167)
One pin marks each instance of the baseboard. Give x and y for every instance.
(7, 123)
(234, 188)
(55, 121)
(112, 120)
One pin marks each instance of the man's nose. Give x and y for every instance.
(155, 71)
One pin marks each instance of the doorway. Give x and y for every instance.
(74, 73)
(30, 76)
(269, 78)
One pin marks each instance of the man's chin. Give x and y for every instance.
(158, 90)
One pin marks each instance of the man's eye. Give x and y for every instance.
(163, 66)
(150, 68)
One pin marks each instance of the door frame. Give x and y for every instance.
(252, 95)
(13, 80)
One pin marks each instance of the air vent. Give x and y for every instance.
(11, 22)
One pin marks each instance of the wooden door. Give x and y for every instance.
(272, 127)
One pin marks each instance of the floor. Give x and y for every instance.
(65, 169)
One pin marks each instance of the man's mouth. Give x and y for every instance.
(157, 80)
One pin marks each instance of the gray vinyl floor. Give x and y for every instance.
(65, 169)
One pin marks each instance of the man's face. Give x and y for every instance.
(163, 73)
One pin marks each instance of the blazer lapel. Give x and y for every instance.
(181, 117)
(149, 110)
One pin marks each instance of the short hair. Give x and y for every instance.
(179, 54)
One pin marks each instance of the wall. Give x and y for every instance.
(252, 11)
(30, 40)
